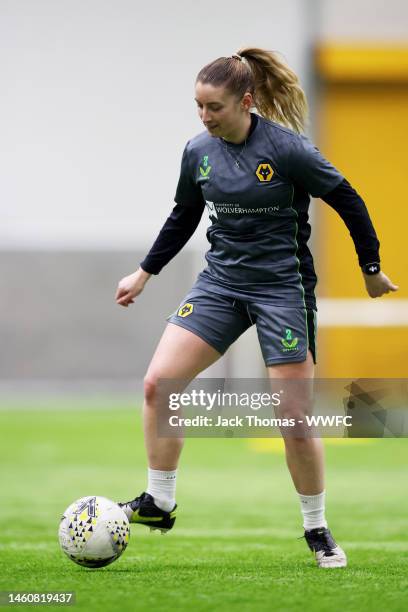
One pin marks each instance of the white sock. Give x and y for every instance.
(312, 507)
(162, 487)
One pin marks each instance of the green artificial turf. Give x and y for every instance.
(234, 546)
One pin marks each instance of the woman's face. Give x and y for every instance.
(220, 111)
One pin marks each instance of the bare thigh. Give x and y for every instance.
(296, 380)
(180, 354)
(304, 369)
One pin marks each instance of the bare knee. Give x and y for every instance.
(150, 386)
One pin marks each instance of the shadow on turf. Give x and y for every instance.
(289, 569)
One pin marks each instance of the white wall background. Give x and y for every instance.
(97, 104)
(364, 20)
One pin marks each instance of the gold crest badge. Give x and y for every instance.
(185, 310)
(264, 172)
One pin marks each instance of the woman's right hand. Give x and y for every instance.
(130, 287)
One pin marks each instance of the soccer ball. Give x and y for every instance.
(94, 531)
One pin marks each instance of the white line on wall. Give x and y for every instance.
(377, 312)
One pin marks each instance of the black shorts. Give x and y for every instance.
(285, 334)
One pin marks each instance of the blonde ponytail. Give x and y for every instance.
(278, 95)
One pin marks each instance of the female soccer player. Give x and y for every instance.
(255, 173)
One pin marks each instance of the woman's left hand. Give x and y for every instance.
(378, 284)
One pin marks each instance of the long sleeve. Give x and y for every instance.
(175, 233)
(352, 209)
(182, 222)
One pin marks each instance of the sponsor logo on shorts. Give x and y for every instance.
(185, 310)
(264, 172)
(289, 343)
